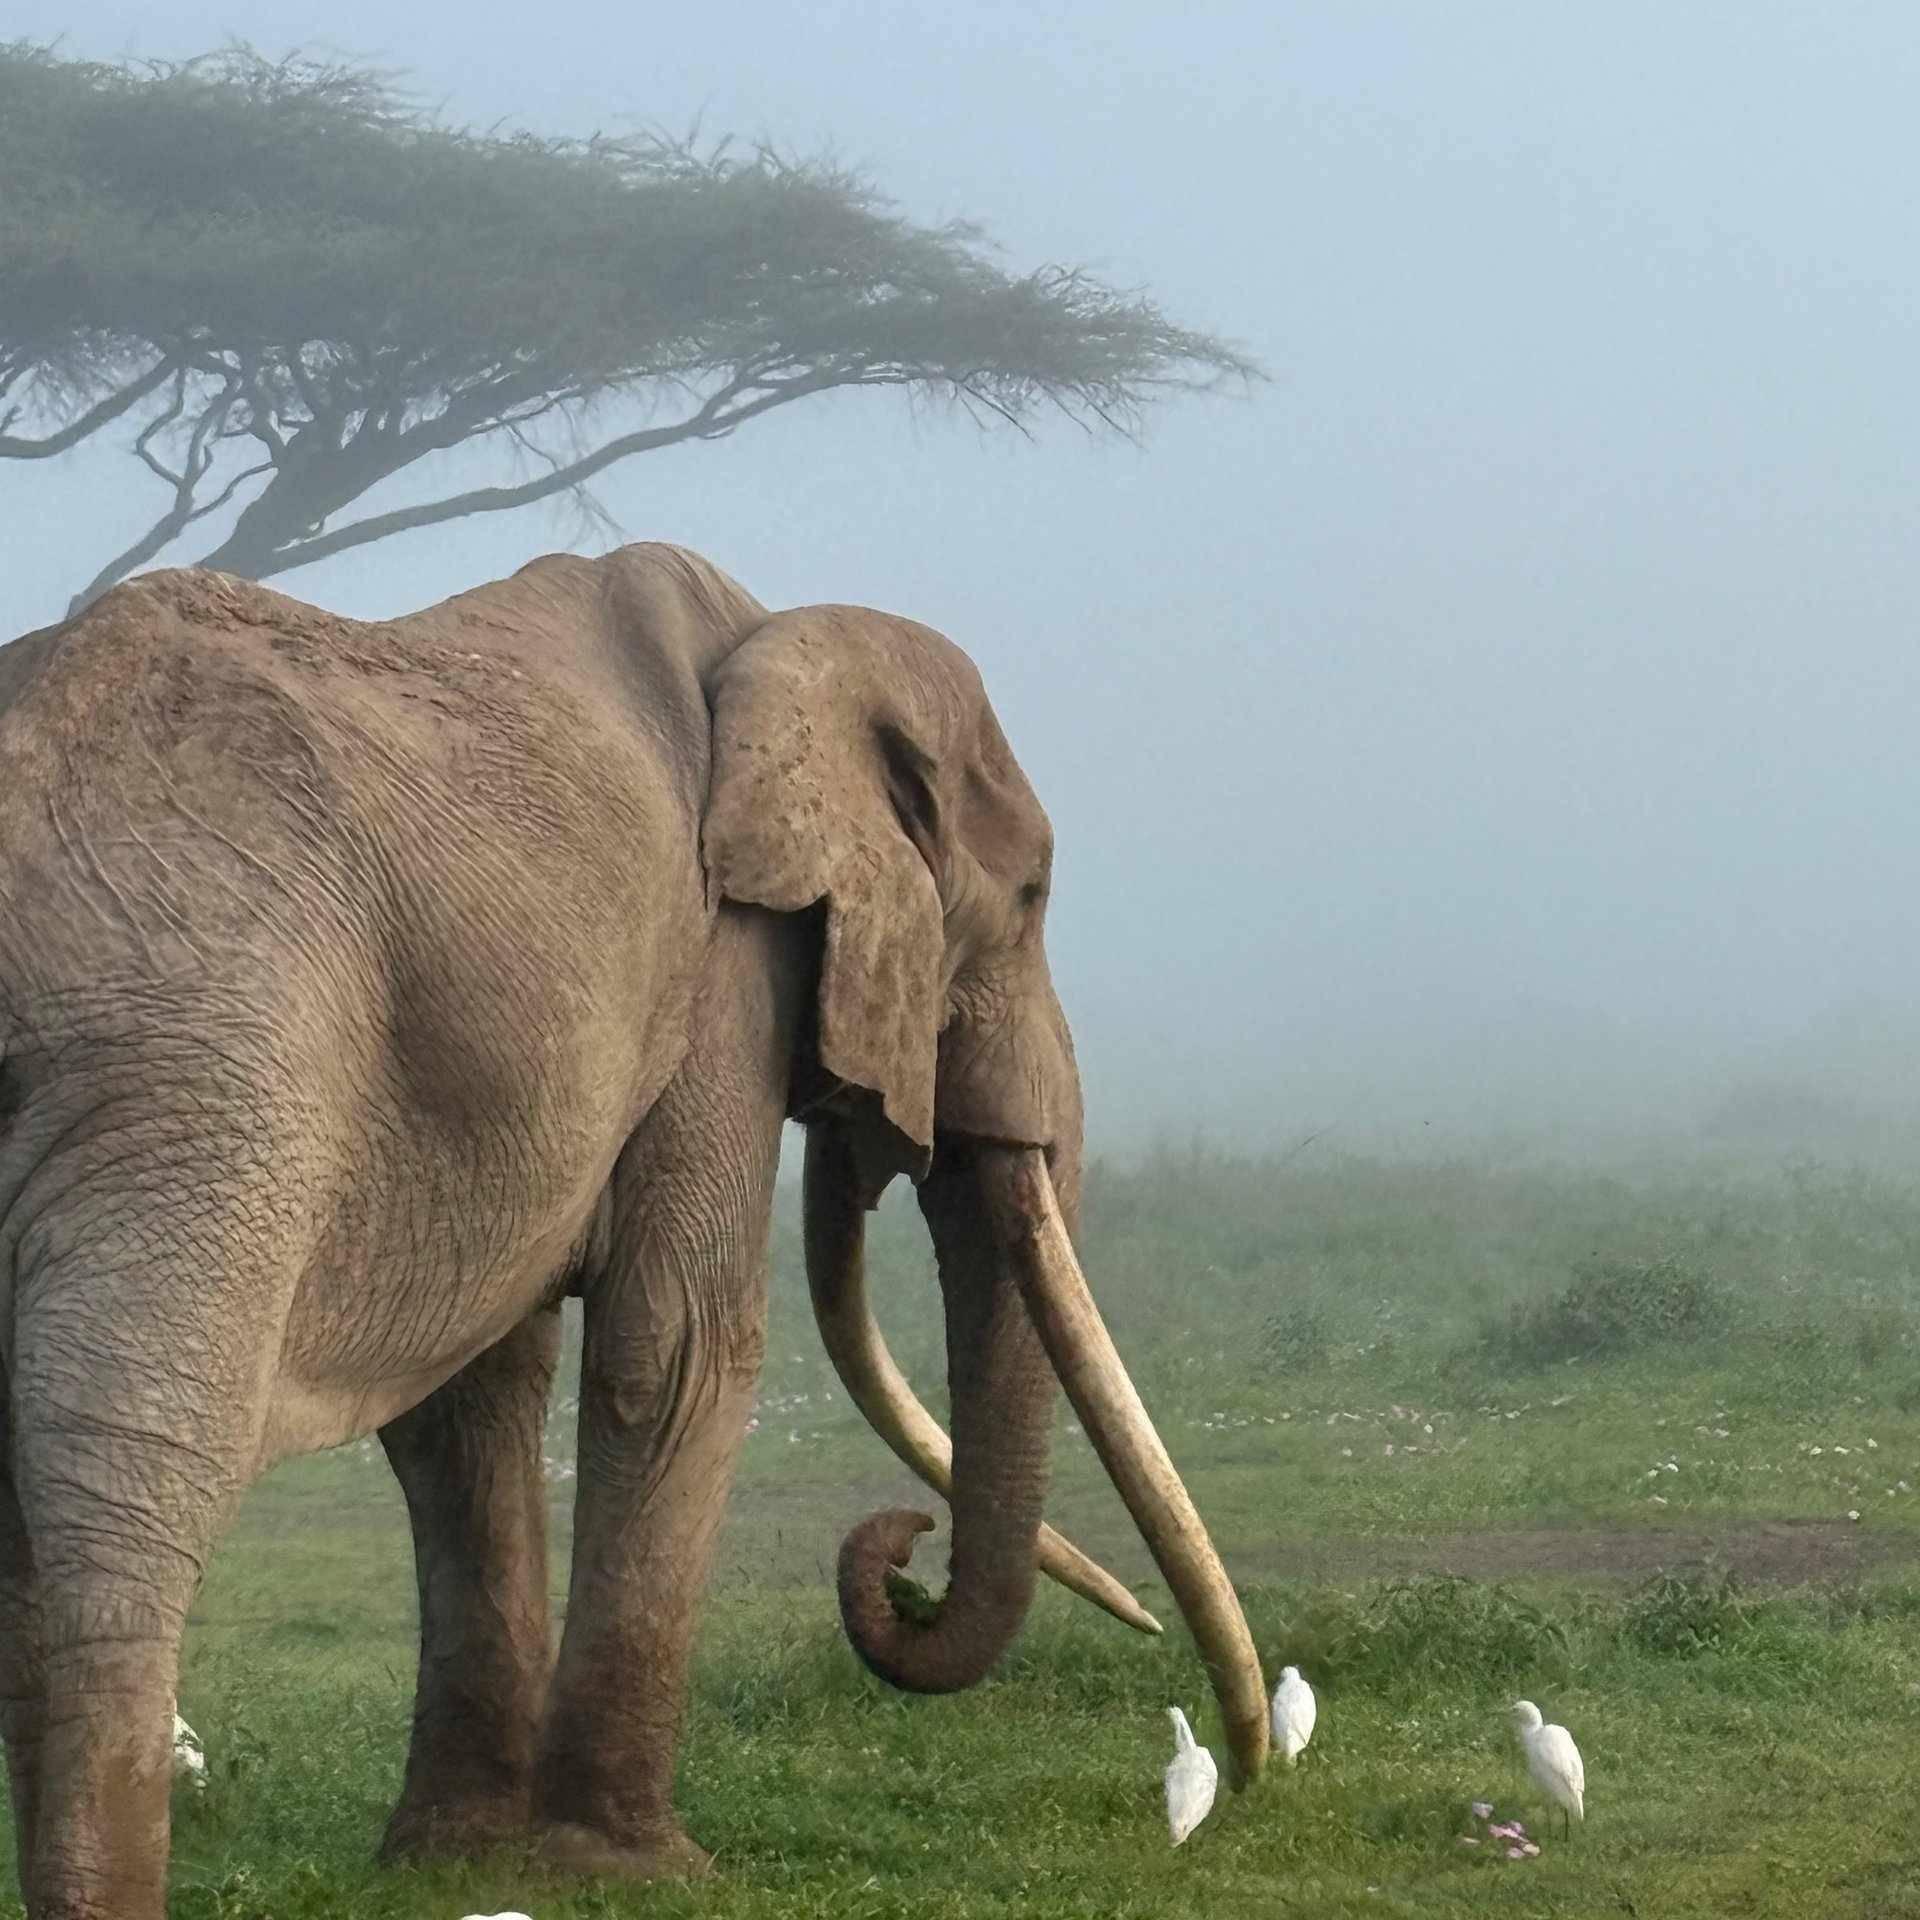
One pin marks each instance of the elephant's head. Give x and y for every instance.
(859, 772)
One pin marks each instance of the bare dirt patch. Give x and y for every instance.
(791, 1528)
(1775, 1553)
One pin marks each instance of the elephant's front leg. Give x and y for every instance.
(468, 1458)
(675, 1331)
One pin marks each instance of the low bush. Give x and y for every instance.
(1434, 1627)
(1296, 1340)
(1610, 1308)
(1682, 1614)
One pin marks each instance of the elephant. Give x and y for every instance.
(367, 989)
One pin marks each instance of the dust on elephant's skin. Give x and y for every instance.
(365, 989)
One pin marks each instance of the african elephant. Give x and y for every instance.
(365, 989)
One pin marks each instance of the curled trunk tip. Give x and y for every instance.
(902, 1644)
(837, 1280)
(878, 1547)
(1001, 1389)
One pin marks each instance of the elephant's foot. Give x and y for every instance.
(666, 1855)
(459, 1828)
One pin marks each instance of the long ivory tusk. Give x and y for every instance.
(837, 1279)
(1110, 1409)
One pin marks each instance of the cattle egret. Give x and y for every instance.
(1554, 1761)
(1192, 1779)
(189, 1762)
(496, 1916)
(1294, 1712)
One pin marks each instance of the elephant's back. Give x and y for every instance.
(192, 731)
(445, 826)
(164, 798)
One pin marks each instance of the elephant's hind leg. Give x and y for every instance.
(22, 1702)
(468, 1459)
(139, 1397)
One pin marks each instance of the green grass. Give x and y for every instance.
(1582, 1375)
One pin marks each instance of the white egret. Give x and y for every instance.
(189, 1761)
(1294, 1712)
(496, 1916)
(1192, 1779)
(1553, 1760)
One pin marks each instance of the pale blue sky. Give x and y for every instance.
(1508, 713)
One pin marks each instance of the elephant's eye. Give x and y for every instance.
(1033, 893)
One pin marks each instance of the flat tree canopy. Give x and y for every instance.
(281, 285)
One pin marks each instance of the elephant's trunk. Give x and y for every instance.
(995, 1212)
(1001, 1388)
(837, 1278)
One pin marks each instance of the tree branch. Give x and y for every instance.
(232, 487)
(104, 413)
(712, 421)
(193, 469)
(143, 443)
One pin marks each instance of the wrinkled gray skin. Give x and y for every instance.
(365, 990)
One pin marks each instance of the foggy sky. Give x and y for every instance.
(1505, 717)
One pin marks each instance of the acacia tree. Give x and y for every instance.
(281, 285)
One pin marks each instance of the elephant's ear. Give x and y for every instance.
(823, 793)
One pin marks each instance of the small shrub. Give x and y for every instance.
(1438, 1627)
(1841, 1341)
(1804, 1340)
(1610, 1308)
(1296, 1340)
(1683, 1614)
(1896, 1599)
(1880, 1332)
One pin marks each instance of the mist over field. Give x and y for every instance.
(1481, 749)
(1499, 726)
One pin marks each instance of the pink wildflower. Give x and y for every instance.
(1528, 1848)
(1514, 1853)
(1482, 1809)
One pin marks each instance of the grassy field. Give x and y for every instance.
(1640, 1444)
